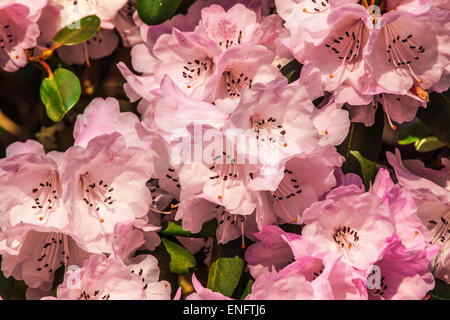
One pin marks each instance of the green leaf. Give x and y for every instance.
(6, 285)
(428, 144)
(79, 31)
(59, 93)
(174, 228)
(413, 133)
(226, 267)
(436, 116)
(181, 260)
(368, 168)
(366, 141)
(154, 12)
(248, 289)
(441, 291)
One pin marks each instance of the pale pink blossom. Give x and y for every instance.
(105, 184)
(33, 253)
(109, 278)
(18, 31)
(401, 274)
(351, 223)
(103, 116)
(430, 190)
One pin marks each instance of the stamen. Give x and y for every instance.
(48, 199)
(387, 113)
(96, 195)
(401, 50)
(195, 72)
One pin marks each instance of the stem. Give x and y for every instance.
(47, 68)
(48, 53)
(9, 126)
(86, 54)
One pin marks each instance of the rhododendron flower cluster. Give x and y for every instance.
(224, 148)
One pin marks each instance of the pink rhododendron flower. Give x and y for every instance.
(357, 52)
(271, 252)
(408, 226)
(351, 223)
(235, 26)
(288, 253)
(176, 110)
(401, 274)
(103, 278)
(431, 193)
(18, 31)
(403, 54)
(33, 253)
(190, 60)
(284, 119)
(104, 117)
(305, 179)
(32, 186)
(195, 210)
(105, 185)
(282, 286)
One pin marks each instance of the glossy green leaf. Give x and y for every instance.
(181, 260)
(428, 144)
(60, 93)
(154, 12)
(368, 168)
(365, 140)
(436, 116)
(248, 289)
(413, 133)
(174, 228)
(226, 267)
(79, 31)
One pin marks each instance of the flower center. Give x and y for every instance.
(54, 253)
(230, 41)
(47, 196)
(234, 83)
(288, 188)
(401, 49)
(440, 233)
(346, 238)
(7, 40)
(96, 194)
(195, 72)
(269, 131)
(95, 295)
(226, 172)
(346, 44)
